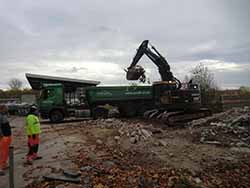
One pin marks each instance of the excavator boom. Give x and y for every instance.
(137, 72)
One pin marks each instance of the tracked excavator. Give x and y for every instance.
(173, 102)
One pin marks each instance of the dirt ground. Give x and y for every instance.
(106, 156)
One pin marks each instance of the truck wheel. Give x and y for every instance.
(56, 116)
(128, 110)
(100, 113)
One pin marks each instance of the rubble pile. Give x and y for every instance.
(109, 123)
(230, 128)
(134, 131)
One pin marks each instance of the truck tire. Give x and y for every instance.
(100, 113)
(56, 116)
(128, 110)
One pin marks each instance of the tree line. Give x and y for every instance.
(15, 89)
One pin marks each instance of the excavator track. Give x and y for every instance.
(176, 117)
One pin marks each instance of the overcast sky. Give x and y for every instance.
(97, 39)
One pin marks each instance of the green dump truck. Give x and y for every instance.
(92, 101)
(55, 104)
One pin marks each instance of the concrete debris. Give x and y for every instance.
(61, 178)
(117, 138)
(146, 133)
(86, 168)
(71, 174)
(133, 140)
(109, 123)
(212, 142)
(92, 169)
(99, 142)
(171, 154)
(197, 180)
(109, 120)
(230, 128)
(135, 132)
(163, 143)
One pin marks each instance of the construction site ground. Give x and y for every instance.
(129, 153)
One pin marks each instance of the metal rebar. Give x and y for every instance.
(11, 167)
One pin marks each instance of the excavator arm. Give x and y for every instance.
(137, 72)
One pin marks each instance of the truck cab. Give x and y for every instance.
(56, 103)
(51, 102)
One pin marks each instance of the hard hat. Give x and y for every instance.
(33, 107)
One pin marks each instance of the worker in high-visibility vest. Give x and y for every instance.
(33, 131)
(5, 139)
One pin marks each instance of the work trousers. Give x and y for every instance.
(4, 151)
(33, 145)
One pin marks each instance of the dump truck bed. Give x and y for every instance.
(118, 93)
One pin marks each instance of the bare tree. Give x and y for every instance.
(202, 76)
(15, 84)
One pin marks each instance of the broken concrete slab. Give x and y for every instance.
(71, 174)
(61, 178)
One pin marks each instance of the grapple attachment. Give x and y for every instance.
(135, 73)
